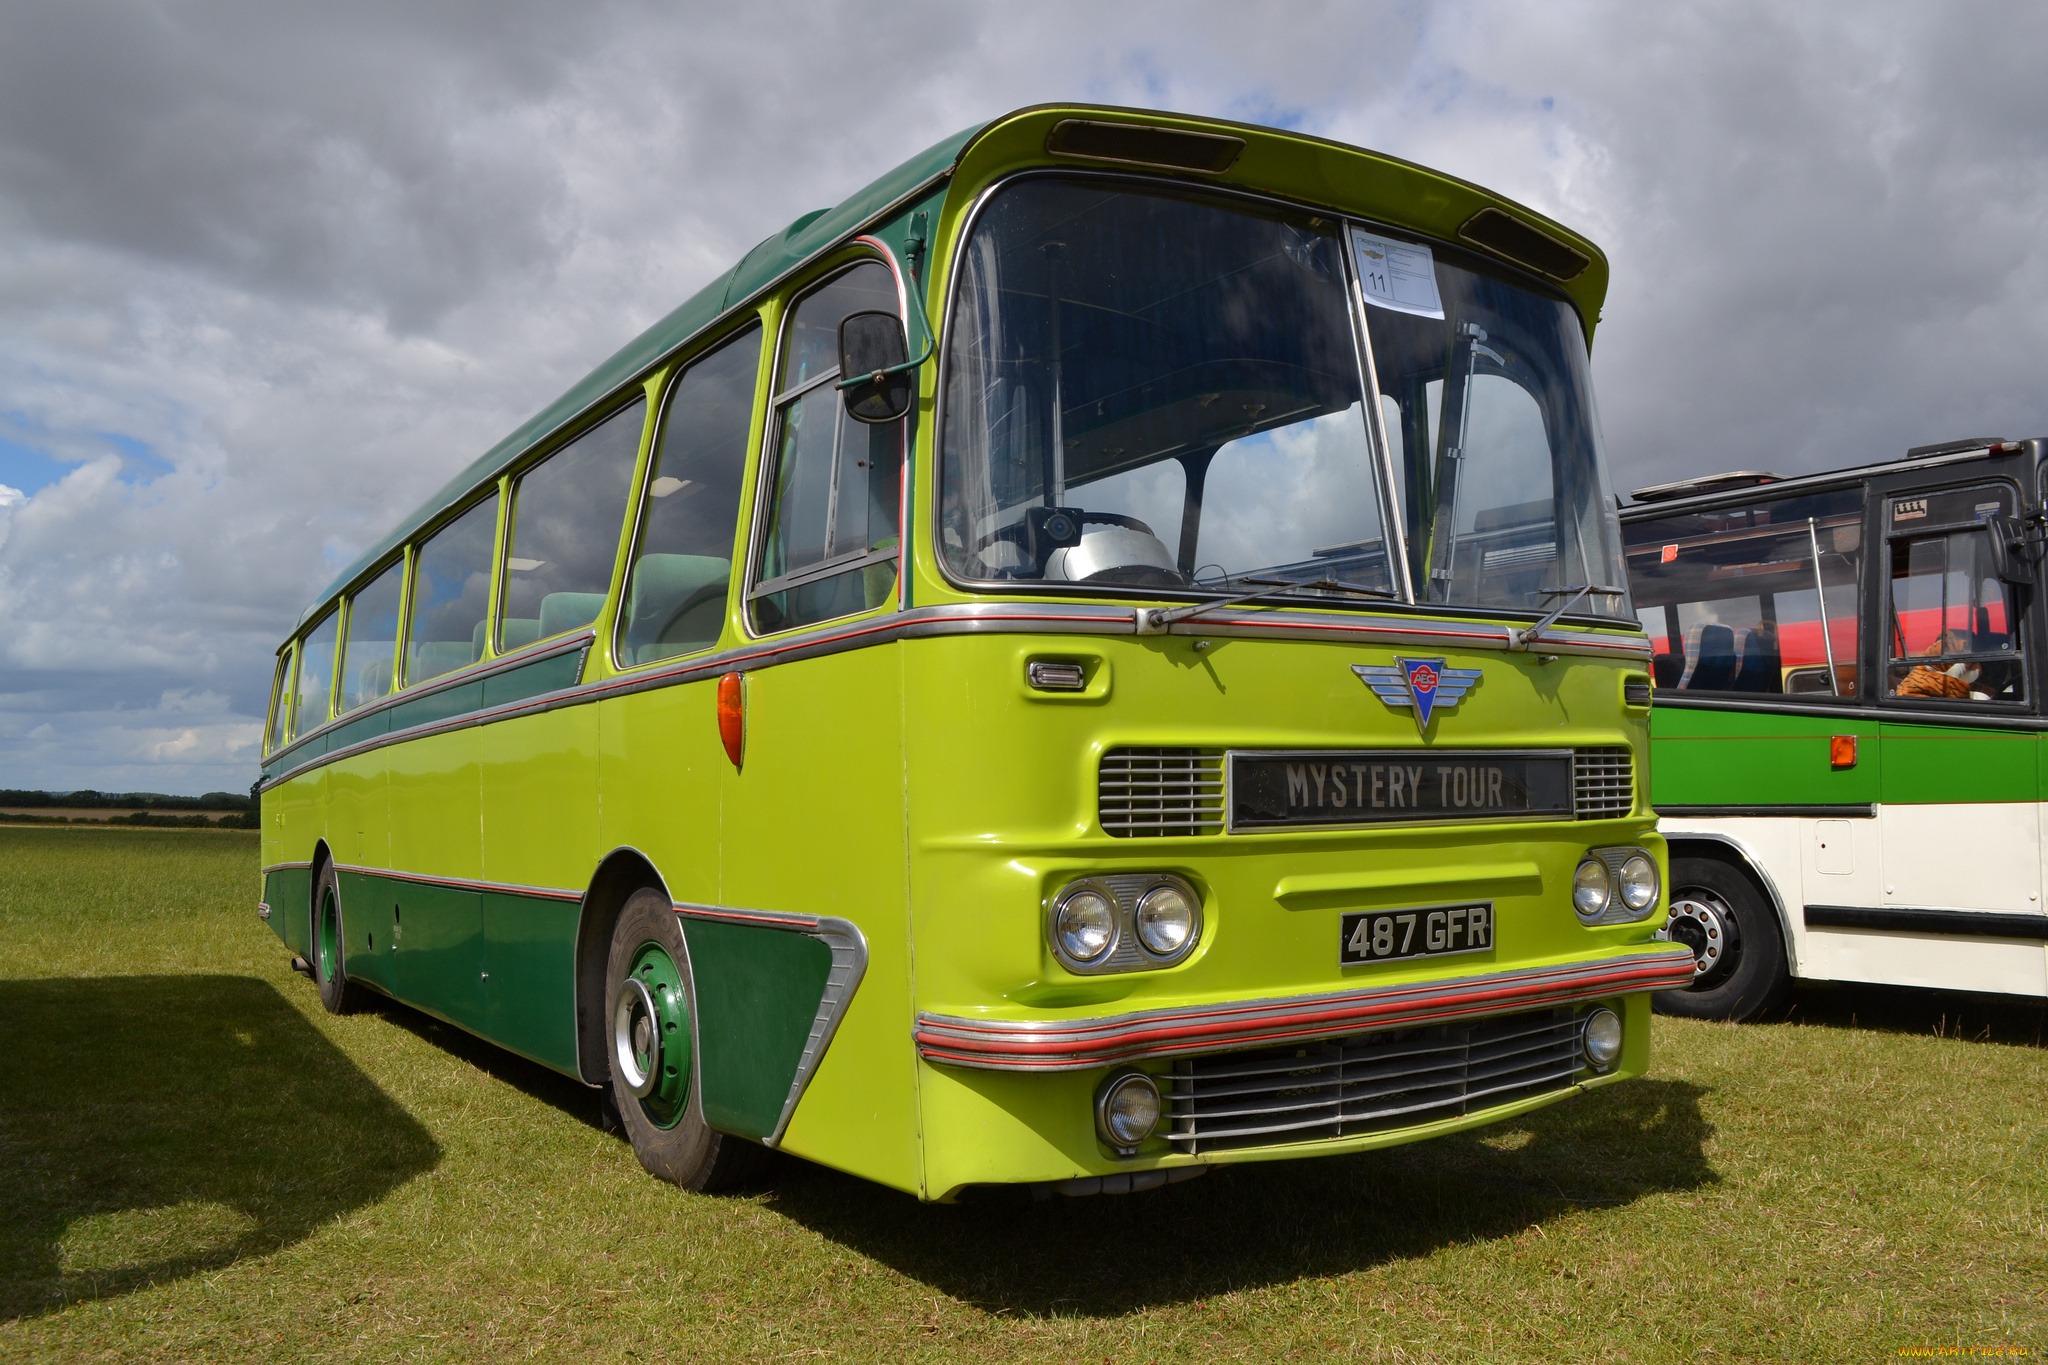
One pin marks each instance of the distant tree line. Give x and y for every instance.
(145, 808)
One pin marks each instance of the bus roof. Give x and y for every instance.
(1444, 205)
(1668, 499)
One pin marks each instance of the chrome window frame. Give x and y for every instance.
(754, 587)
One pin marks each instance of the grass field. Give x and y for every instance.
(197, 1163)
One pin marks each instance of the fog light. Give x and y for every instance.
(1592, 888)
(1166, 920)
(1086, 925)
(1638, 883)
(1127, 1110)
(1602, 1039)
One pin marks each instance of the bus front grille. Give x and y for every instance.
(1603, 783)
(1368, 1082)
(1157, 792)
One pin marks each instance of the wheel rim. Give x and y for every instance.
(651, 1035)
(328, 951)
(1703, 922)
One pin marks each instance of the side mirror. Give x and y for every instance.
(2009, 557)
(872, 344)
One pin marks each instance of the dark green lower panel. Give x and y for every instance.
(288, 892)
(758, 992)
(530, 952)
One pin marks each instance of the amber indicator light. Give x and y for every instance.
(1841, 751)
(732, 717)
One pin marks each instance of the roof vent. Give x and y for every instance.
(1209, 153)
(1711, 483)
(1506, 235)
(1951, 447)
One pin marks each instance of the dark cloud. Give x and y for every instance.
(270, 272)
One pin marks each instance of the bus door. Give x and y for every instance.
(1959, 814)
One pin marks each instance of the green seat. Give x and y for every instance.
(677, 604)
(560, 611)
(432, 658)
(519, 630)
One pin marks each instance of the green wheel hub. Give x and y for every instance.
(327, 942)
(651, 1035)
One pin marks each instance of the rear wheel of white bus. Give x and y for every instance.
(650, 1048)
(1738, 949)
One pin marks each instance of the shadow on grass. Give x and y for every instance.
(2014, 1021)
(153, 1128)
(1270, 1222)
(550, 1087)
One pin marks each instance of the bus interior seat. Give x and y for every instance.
(1716, 667)
(432, 658)
(519, 631)
(560, 611)
(1762, 670)
(677, 603)
(1667, 669)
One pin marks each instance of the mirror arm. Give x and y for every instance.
(931, 348)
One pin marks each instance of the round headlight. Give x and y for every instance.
(1602, 1039)
(1127, 1109)
(1591, 888)
(1086, 925)
(1638, 883)
(1166, 920)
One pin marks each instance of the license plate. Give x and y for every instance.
(1436, 931)
(1367, 787)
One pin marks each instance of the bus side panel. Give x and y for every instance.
(540, 830)
(288, 891)
(659, 761)
(359, 833)
(757, 995)
(367, 902)
(436, 832)
(299, 807)
(1748, 758)
(814, 823)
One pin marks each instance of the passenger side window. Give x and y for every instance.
(1954, 628)
(451, 595)
(1758, 597)
(834, 484)
(566, 514)
(371, 651)
(682, 566)
(316, 675)
(280, 702)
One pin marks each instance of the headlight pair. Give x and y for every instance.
(1124, 923)
(1615, 885)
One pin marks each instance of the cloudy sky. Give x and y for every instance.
(270, 272)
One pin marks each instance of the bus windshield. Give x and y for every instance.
(1125, 416)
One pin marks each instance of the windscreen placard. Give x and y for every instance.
(1397, 275)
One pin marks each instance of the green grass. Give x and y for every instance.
(197, 1163)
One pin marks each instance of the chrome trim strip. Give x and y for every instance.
(1006, 618)
(1754, 865)
(1082, 1044)
(849, 965)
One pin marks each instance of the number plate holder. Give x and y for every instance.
(1428, 931)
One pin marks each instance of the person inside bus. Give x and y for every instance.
(1953, 682)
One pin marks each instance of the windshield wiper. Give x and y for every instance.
(1155, 620)
(1523, 638)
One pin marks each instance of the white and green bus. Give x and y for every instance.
(1102, 654)
(1848, 733)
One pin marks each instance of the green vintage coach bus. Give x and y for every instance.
(1848, 730)
(1103, 654)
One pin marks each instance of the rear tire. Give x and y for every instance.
(330, 958)
(650, 1025)
(1738, 948)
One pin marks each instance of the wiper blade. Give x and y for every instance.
(1155, 620)
(1522, 639)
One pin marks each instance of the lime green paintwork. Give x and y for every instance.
(919, 790)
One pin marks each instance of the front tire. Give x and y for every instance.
(1738, 948)
(650, 1024)
(330, 958)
